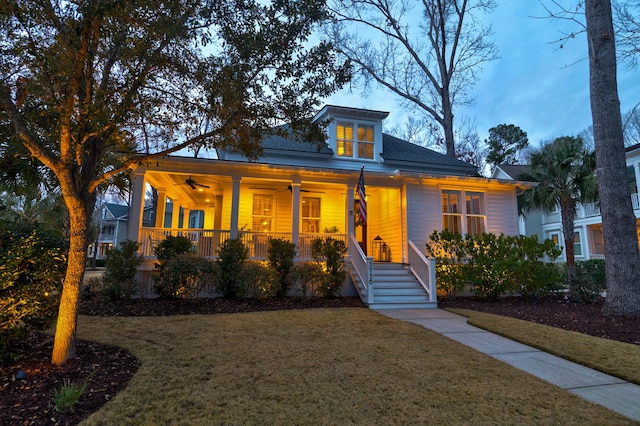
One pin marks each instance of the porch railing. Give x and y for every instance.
(206, 243)
(424, 270)
(304, 243)
(363, 266)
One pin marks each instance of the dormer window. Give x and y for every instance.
(365, 142)
(344, 138)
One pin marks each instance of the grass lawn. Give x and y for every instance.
(609, 356)
(319, 366)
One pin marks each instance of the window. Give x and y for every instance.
(597, 240)
(262, 213)
(451, 213)
(631, 180)
(310, 215)
(475, 213)
(344, 139)
(365, 142)
(555, 237)
(577, 247)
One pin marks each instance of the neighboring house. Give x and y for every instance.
(299, 192)
(588, 243)
(111, 222)
(530, 223)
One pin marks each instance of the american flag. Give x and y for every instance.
(362, 197)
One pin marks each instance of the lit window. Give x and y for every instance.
(365, 142)
(344, 138)
(556, 240)
(577, 247)
(310, 215)
(262, 212)
(475, 213)
(453, 217)
(451, 213)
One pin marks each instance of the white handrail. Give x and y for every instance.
(363, 266)
(424, 270)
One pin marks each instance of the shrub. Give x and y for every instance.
(591, 280)
(330, 252)
(121, 268)
(184, 276)
(306, 278)
(231, 257)
(257, 280)
(281, 254)
(534, 278)
(496, 264)
(449, 251)
(171, 246)
(32, 268)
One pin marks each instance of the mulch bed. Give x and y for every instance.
(108, 369)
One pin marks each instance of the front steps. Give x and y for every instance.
(394, 287)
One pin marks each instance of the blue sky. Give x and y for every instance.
(534, 84)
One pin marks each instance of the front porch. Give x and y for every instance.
(257, 204)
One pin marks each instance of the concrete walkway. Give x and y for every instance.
(592, 385)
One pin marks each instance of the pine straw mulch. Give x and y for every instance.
(108, 369)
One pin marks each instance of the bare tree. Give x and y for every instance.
(428, 53)
(622, 256)
(627, 27)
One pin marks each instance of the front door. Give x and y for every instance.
(360, 228)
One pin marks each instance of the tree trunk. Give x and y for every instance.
(64, 345)
(447, 125)
(622, 257)
(567, 213)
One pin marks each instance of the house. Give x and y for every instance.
(299, 191)
(588, 239)
(111, 222)
(530, 223)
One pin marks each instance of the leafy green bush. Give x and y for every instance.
(591, 280)
(183, 276)
(120, 273)
(306, 278)
(231, 257)
(257, 280)
(32, 268)
(281, 254)
(171, 246)
(493, 265)
(330, 252)
(449, 251)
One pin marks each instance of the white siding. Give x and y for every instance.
(424, 213)
(501, 212)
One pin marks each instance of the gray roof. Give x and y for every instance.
(291, 144)
(118, 211)
(515, 170)
(395, 149)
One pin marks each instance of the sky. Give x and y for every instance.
(534, 84)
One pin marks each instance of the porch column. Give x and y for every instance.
(137, 206)
(175, 214)
(295, 213)
(235, 205)
(351, 187)
(161, 207)
(185, 217)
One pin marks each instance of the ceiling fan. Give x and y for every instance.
(193, 184)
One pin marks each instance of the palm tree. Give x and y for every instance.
(565, 173)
